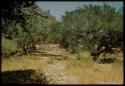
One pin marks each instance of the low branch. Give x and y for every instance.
(31, 14)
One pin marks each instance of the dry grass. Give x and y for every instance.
(90, 72)
(82, 59)
(20, 63)
(97, 75)
(78, 71)
(22, 70)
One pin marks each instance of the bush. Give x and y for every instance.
(8, 46)
(83, 59)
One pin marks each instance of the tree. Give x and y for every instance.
(26, 23)
(93, 25)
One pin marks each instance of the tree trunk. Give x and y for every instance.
(24, 50)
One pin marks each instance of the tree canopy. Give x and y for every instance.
(93, 25)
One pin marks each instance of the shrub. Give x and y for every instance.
(8, 46)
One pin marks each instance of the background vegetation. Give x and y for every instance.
(87, 28)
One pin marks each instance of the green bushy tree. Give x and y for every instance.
(92, 25)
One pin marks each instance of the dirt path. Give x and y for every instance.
(55, 59)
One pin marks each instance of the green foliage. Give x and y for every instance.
(80, 30)
(55, 32)
(92, 25)
(33, 26)
(8, 46)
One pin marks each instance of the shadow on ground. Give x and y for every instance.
(23, 77)
(108, 61)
